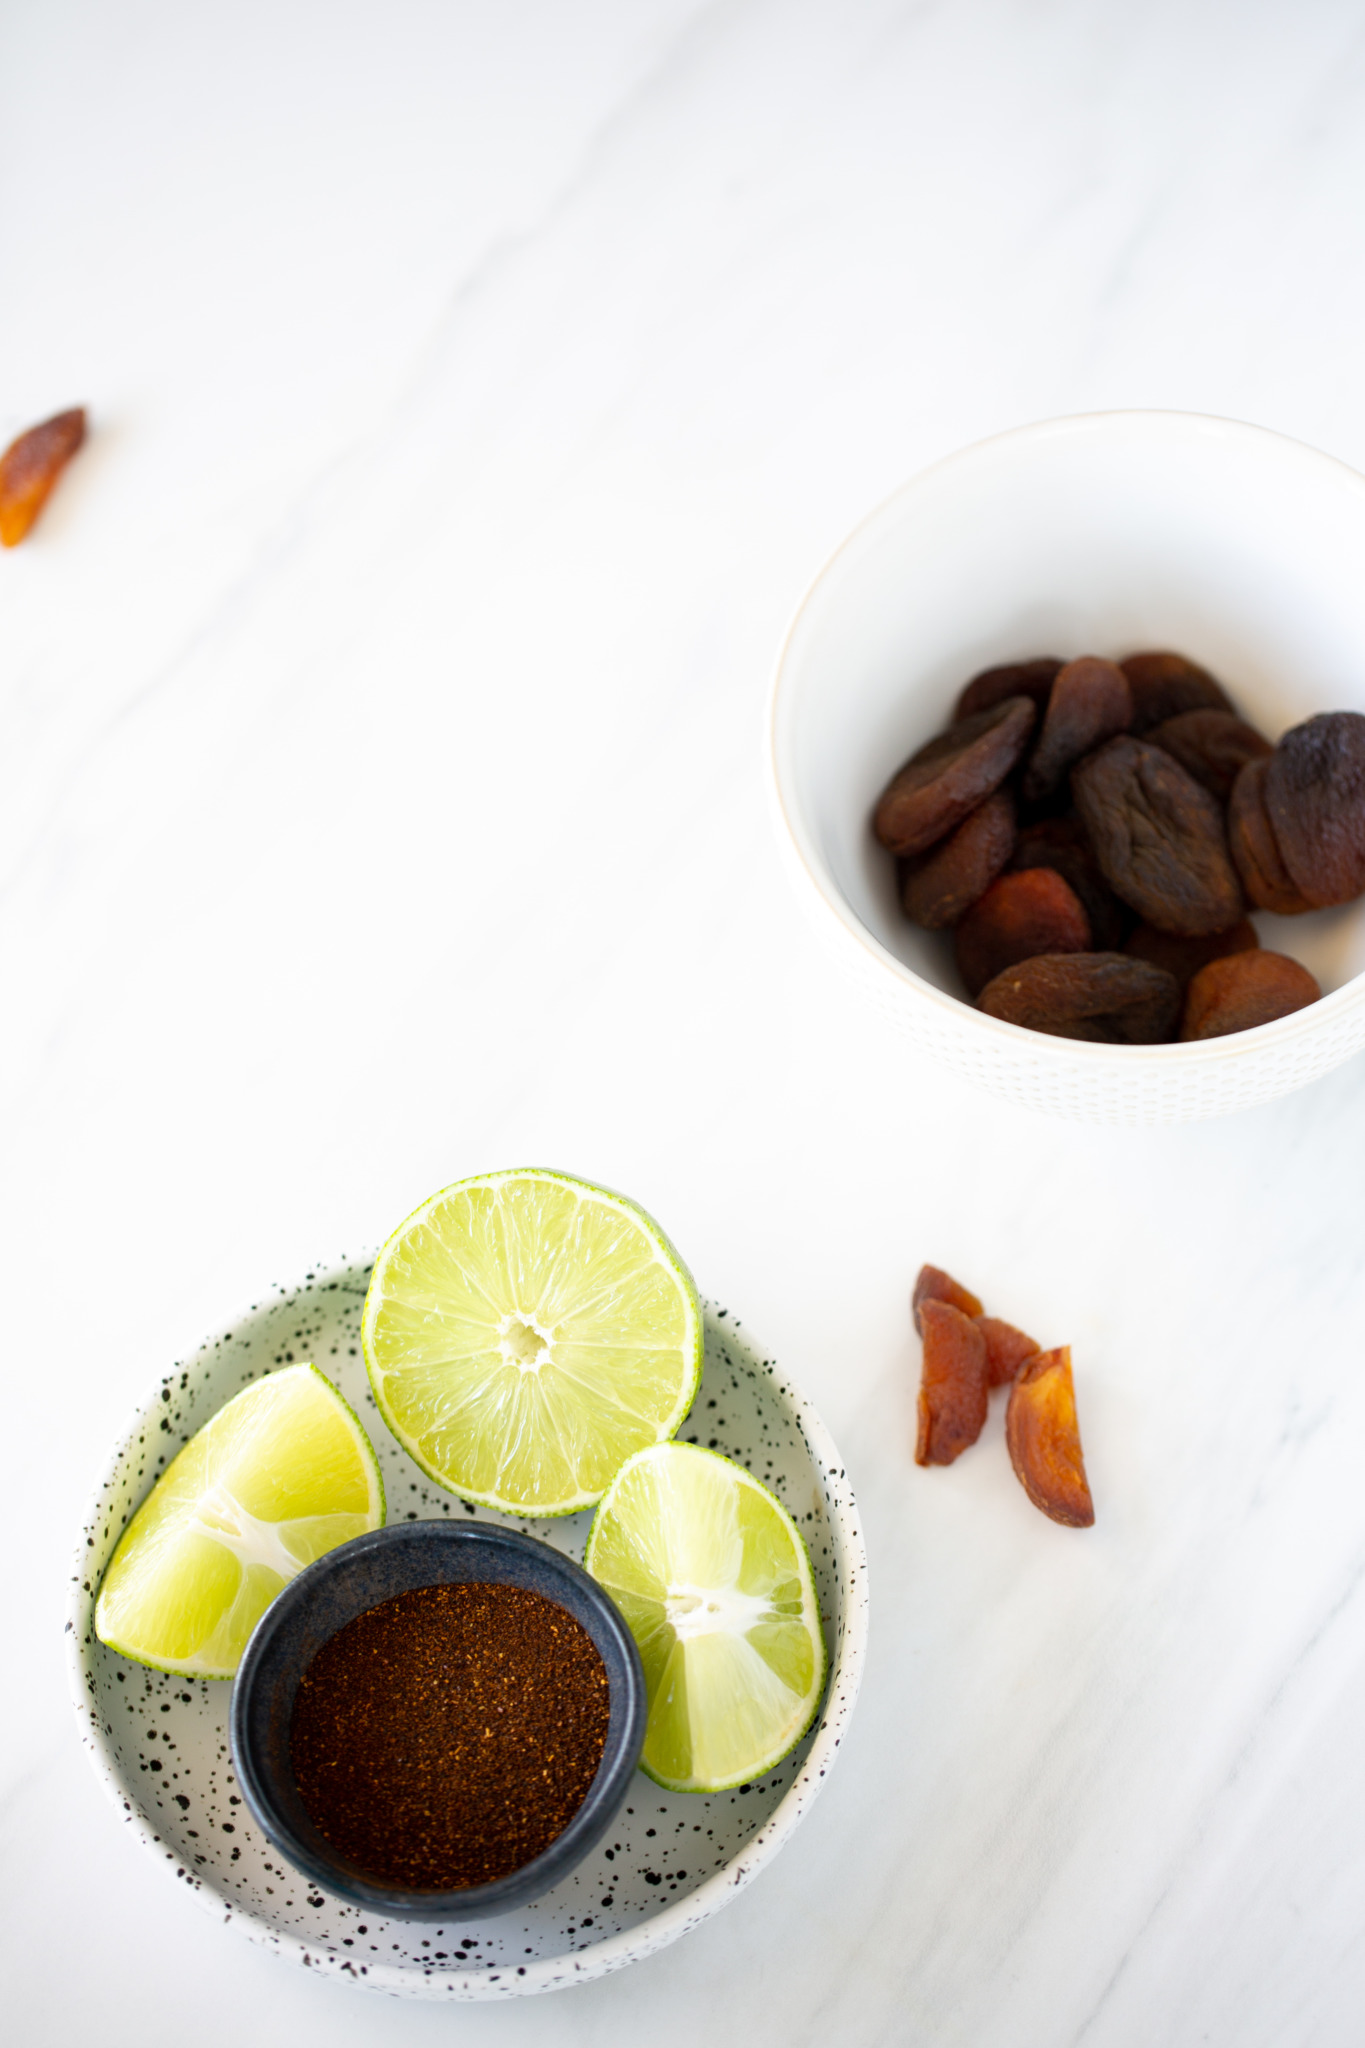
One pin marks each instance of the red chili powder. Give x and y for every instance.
(448, 1735)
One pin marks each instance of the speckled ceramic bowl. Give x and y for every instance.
(346, 1583)
(160, 1744)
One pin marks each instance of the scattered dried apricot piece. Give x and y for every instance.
(1212, 746)
(1244, 990)
(1035, 911)
(1006, 1349)
(953, 1388)
(29, 468)
(1090, 702)
(1105, 997)
(945, 780)
(937, 887)
(1314, 792)
(1183, 957)
(1164, 685)
(1044, 1439)
(933, 1284)
(1159, 837)
(1015, 679)
(1255, 849)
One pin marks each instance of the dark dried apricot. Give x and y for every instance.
(953, 1385)
(1159, 837)
(938, 886)
(1164, 685)
(1212, 746)
(933, 1284)
(1315, 800)
(1063, 843)
(1090, 702)
(1019, 915)
(1044, 1439)
(1106, 997)
(1016, 679)
(1256, 850)
(31, 466)
(1006, 1349)
(1183, 957)
(1244, 990)
(943, 782)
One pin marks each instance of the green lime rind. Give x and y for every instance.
(520, 1243)
(282, 1473)
(714, 1580)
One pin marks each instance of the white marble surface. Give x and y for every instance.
(475, 388)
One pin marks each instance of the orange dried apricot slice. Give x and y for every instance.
(1044, 1439)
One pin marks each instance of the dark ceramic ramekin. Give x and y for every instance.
(359, 1575)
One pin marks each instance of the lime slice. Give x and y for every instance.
(276, 1477)
(714, 1581)
(525, 1333)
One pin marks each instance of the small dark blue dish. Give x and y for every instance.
(347, 1582)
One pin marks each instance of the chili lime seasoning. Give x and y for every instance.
(447, 1736)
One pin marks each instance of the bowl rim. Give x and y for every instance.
(843, 924)
(848, 1657)
(530, 1880)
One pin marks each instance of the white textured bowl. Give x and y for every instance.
(1102, 534)
(159, 1744)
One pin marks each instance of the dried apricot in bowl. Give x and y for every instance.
(1243, 990)
(1107, 998)
(1159, 837)
(1255, 849)
(1021, 915)
(1044, 1439)
(1090, 702)
(950, 776)
(1164, 685)
(939, 886)
(1315, 801)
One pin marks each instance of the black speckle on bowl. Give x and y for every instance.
(347, 1582)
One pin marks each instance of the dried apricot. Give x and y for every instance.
(1212, 746)
(953, 1386)
(933, 1284)
(1062, 843)
(1164, 685)
(1016, 679)
(1035, 911)
(1159, 837)
(1244, 990)
(1256, 850)
(1183, 957)
(1090, 702)
(1315, 801)
(31, 466)
(1105, 997)
(1044, 1439)
(938, 886)
(944, 781)
(1006, 1349)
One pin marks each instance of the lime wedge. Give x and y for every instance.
(714, 1581)
(525, 1333)
(275, 1478)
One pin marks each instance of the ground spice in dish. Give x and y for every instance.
(448, 1735)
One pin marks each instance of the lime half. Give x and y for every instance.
(275, 1478)
(525, 1333)
(715, 1584)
